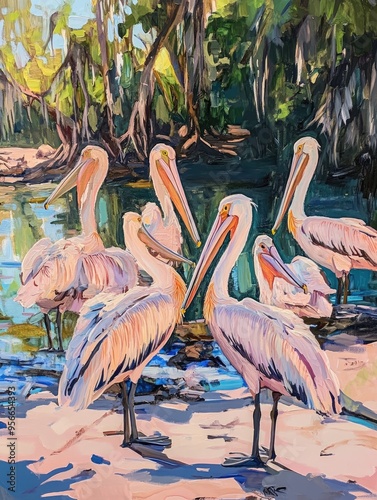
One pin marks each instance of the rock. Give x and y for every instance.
(199, 351)
(238, 131)
(45, 151)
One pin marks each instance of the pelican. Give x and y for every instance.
(62, 275)
(164, 227)
(299, 286)
(269, 347)
(337, 244)
(118, 334)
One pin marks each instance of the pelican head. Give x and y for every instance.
(268, 260)
(166, 181)
(89, 172)
(234, 214)
(134, 229)
(303, 166)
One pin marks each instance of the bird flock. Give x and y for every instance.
(124, 320)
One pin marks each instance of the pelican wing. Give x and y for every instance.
(311, 274)
(349, 237)
(284, 294)
(48, 271)
(282, 348)
(114, 335)
(34, 259)
(112, 269)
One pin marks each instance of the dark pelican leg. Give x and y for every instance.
(346, 288)
(47, 322)
(59, 328)
(135, 438)
(339, 291)
(274, 416)
(242, 460)
(126, 419)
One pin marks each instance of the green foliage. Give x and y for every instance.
(274, 63)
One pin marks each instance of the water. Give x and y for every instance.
(23, 221)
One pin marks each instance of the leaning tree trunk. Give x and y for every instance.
(194, 73)
(108, 134)
(140, 129)
(65, 126)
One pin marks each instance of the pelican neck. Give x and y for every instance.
(298, 202)
(87, 211)
(221, 275)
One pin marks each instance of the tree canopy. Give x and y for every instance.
(136, 71)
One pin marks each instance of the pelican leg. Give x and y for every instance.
(346, 288)
(274, 417)
(126, 420)
(135, 438)
(47, 322)
(59, 328)
(241, 459)
(339, 291)
(131, 396)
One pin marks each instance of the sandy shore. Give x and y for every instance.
(14, 161)
(65, 454)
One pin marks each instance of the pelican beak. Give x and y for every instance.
(68, 183)
(170, 177)
(151, 242)
(223, 225)
(299, 163)
(274, 267)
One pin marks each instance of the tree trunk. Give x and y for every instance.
(194, 74)
(140, 130)
(102, 37)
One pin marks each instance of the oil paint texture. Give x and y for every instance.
(188, 249)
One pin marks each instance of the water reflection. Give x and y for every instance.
(23, 221)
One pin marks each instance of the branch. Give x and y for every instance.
(173, 21)
(53, 112)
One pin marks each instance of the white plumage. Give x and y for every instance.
(271, 348)
(166, 230)
(274, 349)
(337, 244)
(64, 274)
(118, 334)
(299, 286)
(115, 337)
(163, 223)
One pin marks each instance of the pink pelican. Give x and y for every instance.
(118, 334)
(164, 227)
(270, 348)
(299, 286)
(62, 275)
(337, 244)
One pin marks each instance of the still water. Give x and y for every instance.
(23, 220)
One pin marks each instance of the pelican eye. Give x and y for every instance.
(225, 208)
(299, 148)
(263, 247)
(139, 219)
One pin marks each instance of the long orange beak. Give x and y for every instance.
(170, 177)
(274, 267)
(299, 162)
(223, 225)
(146, 237)
(68, 183)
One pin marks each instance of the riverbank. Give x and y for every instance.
(36, 165)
